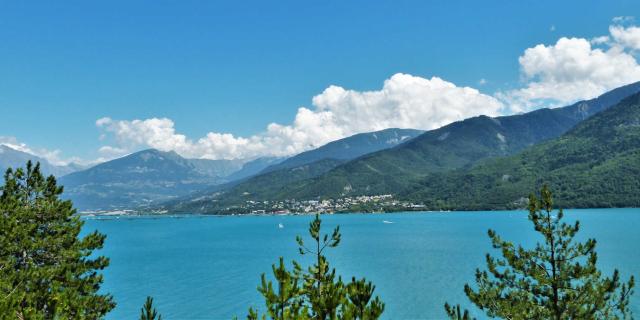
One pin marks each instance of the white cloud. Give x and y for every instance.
(600, 40)
(628, 37)
(622, 19)
(572, 69)
(13, 143)
(52, 156)
(405, 101)
(552, 75)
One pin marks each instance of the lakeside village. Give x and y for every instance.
(365, 204)
(375, 203)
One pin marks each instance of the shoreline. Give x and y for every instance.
(140, 215)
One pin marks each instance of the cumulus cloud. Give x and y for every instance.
(575, 68)
(555, 74)
(628, 37)
(622, 19)
(405, 101)
(600, 40)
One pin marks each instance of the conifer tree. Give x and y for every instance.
(360, 306)
(324, 292)
(148, 311)
(317, 293)
(286, 302)
(253, 315)
(558, 279)
(455, 313)
(47, 271)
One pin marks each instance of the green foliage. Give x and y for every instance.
(360, 306)
(46, 270)
(317, 293)
(286, 302)
(558, 279)
(455, 313)
(253, 315)
(596, 164)
(148, 311)
(324, 292)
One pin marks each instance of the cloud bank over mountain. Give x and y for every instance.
(404, 101)
(53, 156)
(552, 75)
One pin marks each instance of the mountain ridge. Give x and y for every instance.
(461, 144)
(142, 178)
(308, 164)
(453, 146)
(595, 164)
(349, 148)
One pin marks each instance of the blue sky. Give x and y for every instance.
(235, 67)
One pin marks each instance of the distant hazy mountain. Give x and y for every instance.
(11, 158)
(350, 147)
(457, 145)
(216, 168)
(596, 164)
(253, 167)
(143, 178)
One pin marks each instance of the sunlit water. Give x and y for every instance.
(206, 267)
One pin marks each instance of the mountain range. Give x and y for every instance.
(349, 148)
(142, 178)
(596, 164)
(305, 165)
(459, 145)
(477, 163)
(151, 176)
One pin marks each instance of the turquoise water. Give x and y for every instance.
(208, 267)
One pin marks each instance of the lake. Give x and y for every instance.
(208, 267)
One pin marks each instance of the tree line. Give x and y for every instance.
(47, 271)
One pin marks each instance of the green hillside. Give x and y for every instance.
(415, 169)
(597, 164)
(263, 187)
(458, 145)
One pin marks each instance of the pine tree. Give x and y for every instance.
(253, 315)
(47, 271)
(558, 279)
(324, 292)
(360, 306)
(456, 313)
(148, 311)
(317, 293)
(286, 302)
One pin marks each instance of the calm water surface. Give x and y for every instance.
(209, 267)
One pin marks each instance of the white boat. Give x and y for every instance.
(386, 221)
(280, 225)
